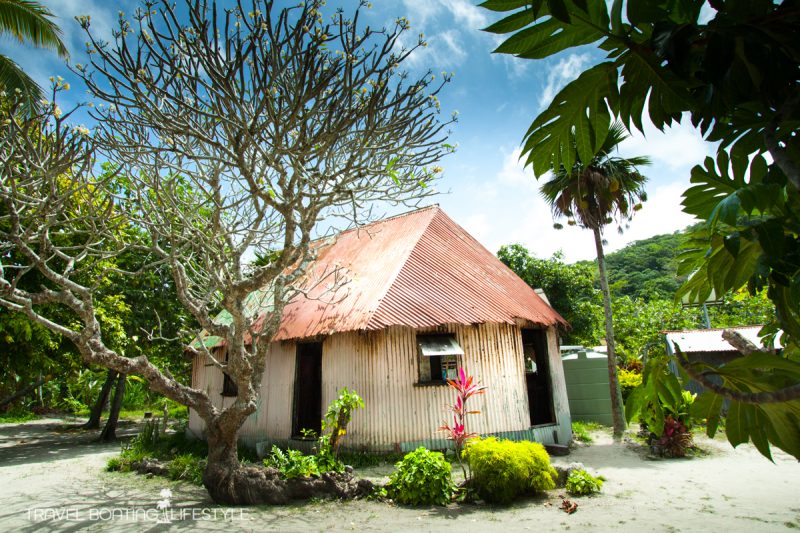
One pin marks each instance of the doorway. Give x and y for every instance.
(537, 377)
(308, 389)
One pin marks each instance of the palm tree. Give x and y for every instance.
(592, 195)
(28, 22)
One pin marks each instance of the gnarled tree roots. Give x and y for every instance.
(256, 485)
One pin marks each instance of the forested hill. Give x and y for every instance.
(645, 269)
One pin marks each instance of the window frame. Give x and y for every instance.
(439, 360)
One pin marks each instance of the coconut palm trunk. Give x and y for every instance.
(617, 414)
(592, 194)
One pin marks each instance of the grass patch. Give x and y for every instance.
(580, 430)
(16, 416)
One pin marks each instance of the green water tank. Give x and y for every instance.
(586, 376)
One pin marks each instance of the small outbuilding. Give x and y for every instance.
(708, 346)
(423, 299)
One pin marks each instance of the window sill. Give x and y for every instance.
(431, 384)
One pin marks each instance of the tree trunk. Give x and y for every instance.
(109, 433)
(102, 400)
(223, 461)
(25, 390)
(617, 414)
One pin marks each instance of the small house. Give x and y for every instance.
(423, 298)
(708, 346)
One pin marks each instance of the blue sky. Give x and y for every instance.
(485, 188)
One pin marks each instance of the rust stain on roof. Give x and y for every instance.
(418, 270)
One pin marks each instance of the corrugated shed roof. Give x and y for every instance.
(418, 270)
(710, 340)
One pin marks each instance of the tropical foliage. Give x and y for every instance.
(733, 71)
(465, 387)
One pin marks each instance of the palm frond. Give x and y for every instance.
(31, 22)
(13, 77)
(606, 188)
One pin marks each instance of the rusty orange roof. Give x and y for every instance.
(418, 270)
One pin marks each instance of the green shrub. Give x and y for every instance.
(422, 477)
(187, 467)
(292, 463)
(582, 483)
(628, 381)
(503, 470)
(114, 465)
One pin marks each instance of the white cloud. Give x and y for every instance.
(467, 13)
(681, 145)
(660, 214)
(563, 72)
(420, 12)
(513, 172)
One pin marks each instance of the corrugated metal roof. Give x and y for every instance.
(418, 270)
(710, 340)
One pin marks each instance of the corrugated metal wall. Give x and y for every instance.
(382, 367)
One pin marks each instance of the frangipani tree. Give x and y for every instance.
(234, 133)
(592, 195)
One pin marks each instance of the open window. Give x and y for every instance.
(438, 358)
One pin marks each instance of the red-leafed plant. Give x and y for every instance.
(465, 387)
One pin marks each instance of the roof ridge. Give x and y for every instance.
(711, 329)
(402, 264)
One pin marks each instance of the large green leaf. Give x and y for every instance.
(547, 38)
(576, 122)
(707, 407)
(645, 78)
(513, 22)
(551, 35)
(505, 5)
(711, 187)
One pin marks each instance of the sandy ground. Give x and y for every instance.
(52, 479)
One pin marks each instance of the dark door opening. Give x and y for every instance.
(308, 389)
(537, 376)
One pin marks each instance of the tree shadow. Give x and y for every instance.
(34, 443)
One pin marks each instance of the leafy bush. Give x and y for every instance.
(628, 381)
(292, 463)
(423, 477)
(581, 483)
(187, 467)
(676, 439)
(503, 470)
(659, 396)
(115, 464)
